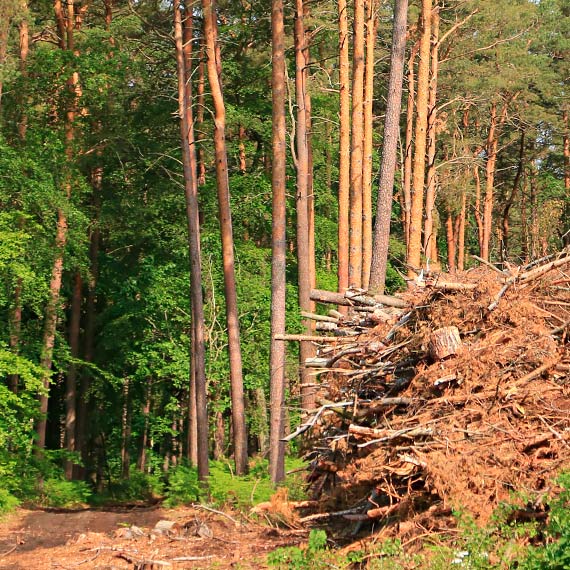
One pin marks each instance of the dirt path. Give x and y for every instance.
(118, 539)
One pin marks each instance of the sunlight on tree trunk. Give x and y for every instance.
(213, 65)
(389, 149)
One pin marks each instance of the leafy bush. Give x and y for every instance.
(554, 554)
(315, 556)
(61, 493)
(139, 487)
(7, 501)
(182, 486)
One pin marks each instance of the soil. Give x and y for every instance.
(123, 538)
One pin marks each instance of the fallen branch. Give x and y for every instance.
(489, 264)
(388, 434)
(221, 513)
(540, 271)
(537, 371)
(325, 516)
(313, 420)
(312, 338)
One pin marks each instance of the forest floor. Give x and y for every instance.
(124, 538)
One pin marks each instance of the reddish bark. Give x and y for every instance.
(213, 63)
(344, 148)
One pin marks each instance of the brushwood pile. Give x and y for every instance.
(453, 395)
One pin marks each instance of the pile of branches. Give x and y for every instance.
(452, 396)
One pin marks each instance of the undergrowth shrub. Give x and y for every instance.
(315, 556)
(61, 493)
(554, 553)
(182, 486)
(138, 487)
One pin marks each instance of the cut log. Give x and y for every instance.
(351, 298)
(326, 326)
(444, 342)
(315, 317)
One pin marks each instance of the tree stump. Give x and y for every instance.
(444, 342)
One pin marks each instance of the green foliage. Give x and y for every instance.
(182, 486)
(138, 487)
(225, 488)
(58, 492)
(315, 556)
(7, 501)
(554, 553)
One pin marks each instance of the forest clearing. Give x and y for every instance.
(297, 269)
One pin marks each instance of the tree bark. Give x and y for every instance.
(279, 247)
(371, 26)
(566, 149)
(142, 458)
(511, 200)
(450, 243)
(431, 187)
(192, 210)
(407, 177)
(126, 430)
(16, 310)
(461, 237)
(213, 64)
(344, 148)
(190, 193)
(302, 202)
(356, 153)
(477, 207)
(419, 160)
(491, 149)
(71, 381)
(200, 106)
(66, 28)
(389, 150)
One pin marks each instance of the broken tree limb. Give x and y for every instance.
(453, 286)
(489, 265)
(325, 516)
(500, 294)
(561, 328)
(538, 371)
(540, 271)
(379, 406)
(389, 434)
(313, 419)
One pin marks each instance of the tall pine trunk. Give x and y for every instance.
(344, 148)
(431, 187)
(302, 203)
(389, 149)
(408, 153)
(222, 182)
(506, 227)
(192, 211)
(371, 25)
(491, 148)
(357, 150)
(66, 26)
(71, 380)
(419, 160)
(279, 247)
(191, 195)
